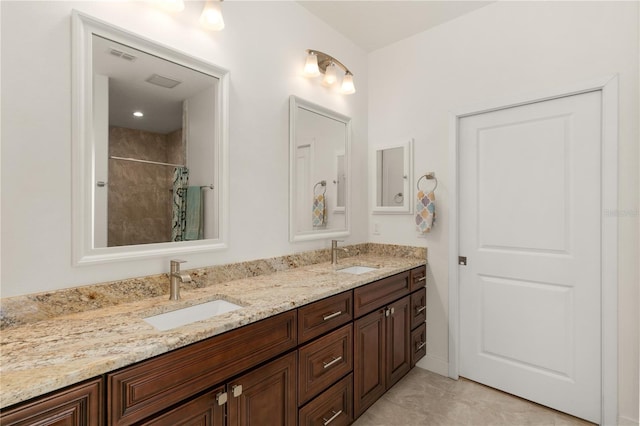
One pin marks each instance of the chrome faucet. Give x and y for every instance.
(175, 278)
(334, 251)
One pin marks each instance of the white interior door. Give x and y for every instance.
(529, 225)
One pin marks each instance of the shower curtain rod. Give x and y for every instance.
(113, 157)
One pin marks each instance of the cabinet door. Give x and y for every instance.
(398, 340)
(369, 360)
(418, 307)
(202, 411)
(78, 405)
(265, 396)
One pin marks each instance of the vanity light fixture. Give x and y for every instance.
(138, 114)
(211, 17)
(321, 63)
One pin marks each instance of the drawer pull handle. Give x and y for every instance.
(420, 309)
(421, 279)
(330, 363)
(420, 345)
(332, 418)
(333, 315)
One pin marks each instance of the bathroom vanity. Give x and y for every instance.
(323, 360)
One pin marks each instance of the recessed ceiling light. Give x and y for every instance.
(138, 114)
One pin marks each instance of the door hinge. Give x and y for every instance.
(462, 260)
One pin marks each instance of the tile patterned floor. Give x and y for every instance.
(425, 398)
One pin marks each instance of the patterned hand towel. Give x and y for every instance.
(425, 211)
(319, 211)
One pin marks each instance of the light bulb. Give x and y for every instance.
(347, 84)
(211, 17)
(311, 65)
(330, 75)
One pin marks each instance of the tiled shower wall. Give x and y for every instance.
(139, 201)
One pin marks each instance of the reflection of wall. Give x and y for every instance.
(390, 177)
(327, 138)
(201, 157)
(139, 202)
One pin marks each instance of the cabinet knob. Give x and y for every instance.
(236, 390)
(420, 345)
(420, 309)
(221, 398)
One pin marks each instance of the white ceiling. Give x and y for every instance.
(375, 24)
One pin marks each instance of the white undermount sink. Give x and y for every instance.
(357, 270)
(184, 316)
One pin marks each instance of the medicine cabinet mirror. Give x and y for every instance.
(149, 147)
(319, 142)
(392, 191)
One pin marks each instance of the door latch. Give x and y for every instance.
(462, 260)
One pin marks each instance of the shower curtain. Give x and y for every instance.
(179, 204)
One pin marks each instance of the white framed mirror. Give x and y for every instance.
(150, 147)
(319, 158)
(393, 168)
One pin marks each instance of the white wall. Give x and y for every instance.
(263, 46)
(503, 49)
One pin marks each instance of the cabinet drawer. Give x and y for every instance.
(144, 389)
(203, 410)
(324, 361)
(418, 277)
(334, 407)
(324, 315)
(418, 307)
(379, 293)
(77, 405)
(418, 343)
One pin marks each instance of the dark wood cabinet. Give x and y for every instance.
(265, 396)
(144, 389)
(333, 407)
(324, 315)
(418, 343)
(418, 307)
(324, 361)
(398, 340)
(369, 363)
(321, 364)
(77, 405)
(205, 410)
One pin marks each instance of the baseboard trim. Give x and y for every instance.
(626, 421)
(434, 364)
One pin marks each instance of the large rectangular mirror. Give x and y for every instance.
(150, 135)
(319, 172)
(392, 192)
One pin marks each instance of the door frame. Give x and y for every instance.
(608, 86)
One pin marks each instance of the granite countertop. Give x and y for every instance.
(45, 355)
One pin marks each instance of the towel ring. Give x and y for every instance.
(430, 175)
(322, 183)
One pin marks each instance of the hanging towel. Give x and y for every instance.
(194, 229)
(179, 203)
(319, 211)
(425, 211)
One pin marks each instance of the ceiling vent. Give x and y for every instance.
(161, 81)
(121, 54)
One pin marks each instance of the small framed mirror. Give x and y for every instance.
(393, 167)
(150, 136)
(319, 143)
